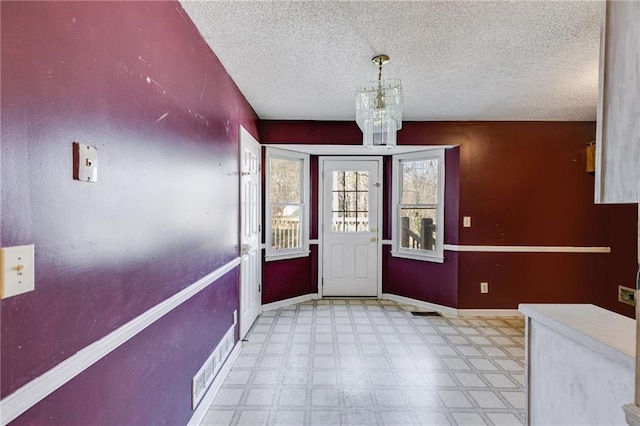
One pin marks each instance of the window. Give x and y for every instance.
(418, 205)
(287, 211)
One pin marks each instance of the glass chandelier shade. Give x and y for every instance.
(379, 109)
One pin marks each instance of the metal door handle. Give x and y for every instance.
(374, 239)
(245, 248)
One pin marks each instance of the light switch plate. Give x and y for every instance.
(466, 221)
(17, 270)
(85, 162)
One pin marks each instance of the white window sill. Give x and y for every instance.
(418, 256)
(284, 256)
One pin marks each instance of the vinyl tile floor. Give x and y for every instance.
(372, 362)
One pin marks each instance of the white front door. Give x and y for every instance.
(351, 198)
(250, 232)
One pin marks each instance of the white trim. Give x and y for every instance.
(286, 302)
(201, 411)
(288, 255)
(322, 150)
(598, 187)
(418, 256)
(250, 283)
(446, 310)
(489, 313)
(527, 249)
(39, 388)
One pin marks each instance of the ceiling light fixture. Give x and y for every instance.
(379, 108)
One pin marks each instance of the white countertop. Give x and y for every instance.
(608, 333)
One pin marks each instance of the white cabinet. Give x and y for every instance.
(580, 365)
(618, 128)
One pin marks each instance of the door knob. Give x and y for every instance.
(374, 239)
(246, 248)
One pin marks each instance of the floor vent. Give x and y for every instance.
(203, 379)
(426, 314)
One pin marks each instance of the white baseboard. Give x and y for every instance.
(201, 411)
(286, 302)
(39, 388)
(446, 310)
(489, 313)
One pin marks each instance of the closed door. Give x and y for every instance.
(350, 227)
(250, 232)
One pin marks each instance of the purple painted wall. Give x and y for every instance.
(136, 80)
(156, 366)
(523, 183)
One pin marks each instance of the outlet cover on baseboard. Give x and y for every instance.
(626, 295)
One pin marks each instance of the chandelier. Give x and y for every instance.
(379, 108)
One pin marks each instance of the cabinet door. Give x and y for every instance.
(618, 127)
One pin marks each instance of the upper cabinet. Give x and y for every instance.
(618, 125)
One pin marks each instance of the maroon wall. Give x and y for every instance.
(523, 183)
(136, 80)
(427, 281)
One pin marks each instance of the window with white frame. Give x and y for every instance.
(287, 204)
(418, 205)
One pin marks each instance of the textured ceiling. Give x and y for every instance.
(506, 60)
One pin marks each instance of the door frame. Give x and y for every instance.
(321, 160)
(247, 138)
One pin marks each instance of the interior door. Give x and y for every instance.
(250, 232)
(350, 227)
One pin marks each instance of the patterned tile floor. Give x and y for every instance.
(371, 362)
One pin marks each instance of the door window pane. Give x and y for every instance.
(350, 201)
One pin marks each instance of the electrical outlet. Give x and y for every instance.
(466, 221)
(626, 295)
(484, 287)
